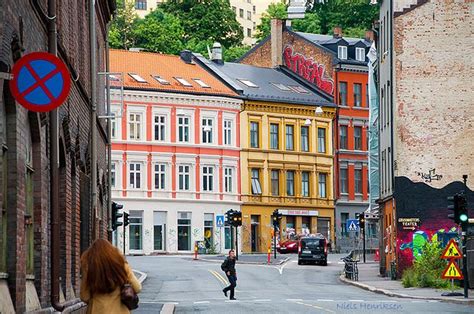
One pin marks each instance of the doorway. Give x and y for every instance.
(254, 232)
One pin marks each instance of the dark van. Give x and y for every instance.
(313, 250)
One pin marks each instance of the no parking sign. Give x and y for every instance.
(40, 82)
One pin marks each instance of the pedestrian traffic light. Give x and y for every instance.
(455, 200)
(126, 221)
(237, 219)
(361, 218)
(116, 215)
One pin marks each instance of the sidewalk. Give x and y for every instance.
(370, 280)
(259, 259)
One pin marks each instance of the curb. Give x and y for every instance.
(168, 308)
(248, 263)
(142, 275)
(401, 295)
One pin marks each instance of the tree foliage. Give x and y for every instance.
(274, 11)
(121, 33)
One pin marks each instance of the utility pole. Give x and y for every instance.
(464, 225)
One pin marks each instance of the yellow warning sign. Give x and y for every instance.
(452, 251)
(452, 271)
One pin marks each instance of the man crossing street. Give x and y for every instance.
(228, 266)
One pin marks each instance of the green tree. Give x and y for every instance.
(121, 32)
(310, 24)
(274, 11)
(160, 32)
(207, 20)
(235, 52)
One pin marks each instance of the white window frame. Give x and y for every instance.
(189, 126)
(116, 121)
(113, 174)
(228, 132)
(185, 175)
(342, 52)
(207, 131)
(360, 54)
(208, 175)
(141, 172)
(228, 179)
(161, 136)
(160, 172)
(142, 113)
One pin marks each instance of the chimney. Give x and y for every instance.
(186, 56)
(369, 35)
(277, 42)
(337, 32)
(216, 54)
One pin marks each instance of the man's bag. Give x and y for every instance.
(224, 266)
(129, 297)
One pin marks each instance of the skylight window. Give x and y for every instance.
(299, 89)
(282, 86)
(249, 83)
(183, 82)
(114, 78)
(137, 78)
(161, 80)
(201, 83)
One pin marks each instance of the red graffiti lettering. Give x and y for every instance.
(308, 69)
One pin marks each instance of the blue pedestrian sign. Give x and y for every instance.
(220, 221)
(352, 225)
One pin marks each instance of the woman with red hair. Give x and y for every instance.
(104, 272)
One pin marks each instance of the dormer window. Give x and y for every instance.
(342, 52)
(360, 54)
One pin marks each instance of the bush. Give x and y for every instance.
(427, 269)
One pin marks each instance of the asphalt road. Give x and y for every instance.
(196, 286)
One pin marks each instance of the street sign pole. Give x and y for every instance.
(464, 245)
(363, 242)
(236, 243)
(274, 242)
(124, 231)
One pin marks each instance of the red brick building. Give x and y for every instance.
(338, 67)
(26, 271)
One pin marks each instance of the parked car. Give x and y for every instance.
(289, 246)
(313, 250)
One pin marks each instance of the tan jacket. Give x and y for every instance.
(108, 303)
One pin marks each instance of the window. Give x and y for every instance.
(274, 135)
(249, 83)
(201, 83)
(183, 82)
(209, 231)
(343, 180)
(299, 89)
(208, 178)
(342, 52)
(290, 183)
(228, 186)
(343, 136)
(113, 123)
(289, 137)
(183, 129)
(207, 127)
(241, 13)
(256, 188)
(358, 181)
(161, 80)
(140, 4)
(135, 175)
(254, 134)
(357, 94)
(234, 9)
(160, 177)
(305, 184)
(249, 15)
(249, 32)
(137, 78)
(344, 218)
(321, 140)
(343, 93)
(367, 95)
(135, 126)
(159, 223)
(160, 128)
(184, 231)
(358, 138)
(282, 87)
(113, 175)
(322, 185)
(275, 178)
(360, 54)
(228, 132)
(135, 230)
(183, 177)
(304, 138)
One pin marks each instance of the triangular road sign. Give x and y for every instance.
(352, 226)
(452, 251)
(452, 271)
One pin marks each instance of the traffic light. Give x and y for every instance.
(361, 220)
(463, 215)
(116, 215)
(455, 200)
(276, 216)
(229, 217)
(237, 219)
(126, 221)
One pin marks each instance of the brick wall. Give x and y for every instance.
(434, 112)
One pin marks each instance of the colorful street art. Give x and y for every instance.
(308, 69)
(422, 216)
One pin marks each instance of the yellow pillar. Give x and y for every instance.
(314, 225)
(298, 222)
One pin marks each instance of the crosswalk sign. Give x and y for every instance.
(352, 224)
(220, 221)
(452, 251)
(452, 271)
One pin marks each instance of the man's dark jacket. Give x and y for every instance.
(229, 265)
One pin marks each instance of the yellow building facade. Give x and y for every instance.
(286, 164)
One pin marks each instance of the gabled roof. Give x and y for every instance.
(163, 72)
(329, 39)
(269, 84)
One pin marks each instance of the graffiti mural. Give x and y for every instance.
(308, 69)
(422, 216)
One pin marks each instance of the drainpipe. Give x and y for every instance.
(93, 116)
(109, 138)
(55, 215)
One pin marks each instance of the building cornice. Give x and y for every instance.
(283, 108)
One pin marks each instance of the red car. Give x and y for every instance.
(289, 245)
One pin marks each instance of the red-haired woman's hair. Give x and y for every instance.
(104, 267)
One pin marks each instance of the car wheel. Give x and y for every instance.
(299, 262)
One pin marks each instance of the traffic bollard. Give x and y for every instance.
(195, 252)
(269, 255)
